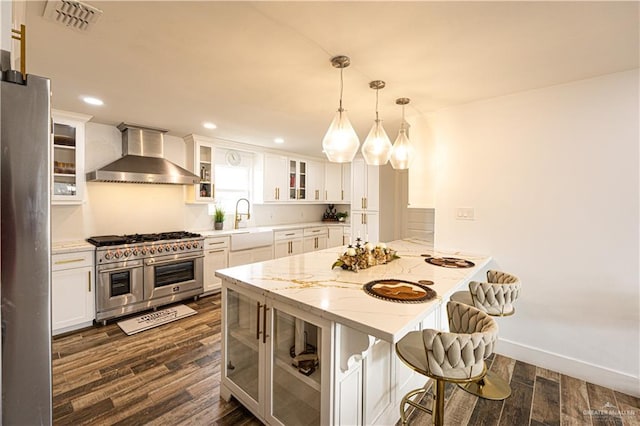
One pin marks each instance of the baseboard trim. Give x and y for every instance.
(596, 374)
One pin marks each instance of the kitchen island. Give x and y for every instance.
(304, 344)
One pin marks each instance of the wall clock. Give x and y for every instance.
(233, 158)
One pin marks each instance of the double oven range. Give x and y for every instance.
(142, 271)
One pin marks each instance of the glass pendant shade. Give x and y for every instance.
(340, 143)
(401, 153)
(376, 148)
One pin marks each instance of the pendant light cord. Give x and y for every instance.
(341, 88)
(377, 90)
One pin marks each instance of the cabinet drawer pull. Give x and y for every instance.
(316, 230)
(264, 323)
(215, 244)
(89, 274)
(257, 320)
(216, 251)
(62, 262)
(288, 235)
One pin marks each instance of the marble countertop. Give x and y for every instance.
(306, 282)
(59, 247)
(275, 228)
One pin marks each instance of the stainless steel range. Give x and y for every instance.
(142, 271)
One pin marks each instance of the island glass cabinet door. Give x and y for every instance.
(284, 376)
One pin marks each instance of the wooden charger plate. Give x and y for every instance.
(399, 291)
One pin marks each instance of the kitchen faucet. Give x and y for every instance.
(239, 215)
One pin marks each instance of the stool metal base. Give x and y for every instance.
(491, 386)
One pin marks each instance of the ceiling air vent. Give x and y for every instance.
(72, 14)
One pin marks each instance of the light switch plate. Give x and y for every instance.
(465, 213)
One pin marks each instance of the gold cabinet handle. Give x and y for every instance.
(89, 281)
(21, 35)
(326, 194)
(342, 194)
(257, 320)
(62, 262)
(216, 251)
(264, 323)
(216, 243)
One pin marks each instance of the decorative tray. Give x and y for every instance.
(449, 262)
(399, 291)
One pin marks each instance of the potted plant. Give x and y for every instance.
(218, 218)
(342, 216)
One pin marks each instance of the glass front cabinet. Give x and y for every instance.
(67, 154)
(297, 180)
(276, 359)
(200, 156)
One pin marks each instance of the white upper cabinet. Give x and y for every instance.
(68, 157)
(273, 177)
(281, 179)
(200, 156)
(298, 175)
(337, 182)
(366, 182)
(315, 181)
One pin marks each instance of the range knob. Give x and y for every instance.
(181, 246)
(127, 253)
(143, 250)
(175, 247)
(108, 255)
(135, 251)
(152, 250)
(117, 254)
(188, 246)
(195, 244)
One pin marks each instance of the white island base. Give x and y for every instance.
(347, 372)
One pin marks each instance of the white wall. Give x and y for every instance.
(553, 177)
(123, 208)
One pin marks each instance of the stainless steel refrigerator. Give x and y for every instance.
(25, 252)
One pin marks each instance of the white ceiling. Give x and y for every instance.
(261, 70)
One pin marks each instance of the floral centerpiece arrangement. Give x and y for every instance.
(362, 256)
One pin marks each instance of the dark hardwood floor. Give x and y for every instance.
(170, 375)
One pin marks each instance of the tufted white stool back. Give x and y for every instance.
(460, 353)
(496, 297)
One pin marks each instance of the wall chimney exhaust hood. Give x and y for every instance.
(142, 160)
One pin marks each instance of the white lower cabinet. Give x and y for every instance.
(358, 379)
(216, 256)
(336, 236)
(260, 336)
(287, 243)
(72, 291)
(365, 225)
(244, 257)
(315, 238)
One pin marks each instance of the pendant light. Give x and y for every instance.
(376, 148)
(401, 154)
(340, 143)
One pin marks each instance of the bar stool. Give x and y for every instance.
(496, 298)
(456, 356)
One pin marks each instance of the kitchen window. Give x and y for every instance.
(233, 173)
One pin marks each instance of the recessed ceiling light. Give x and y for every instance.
(209, 125)
(278, 140)
(92, 101)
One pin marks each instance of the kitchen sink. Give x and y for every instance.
(243, 240)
